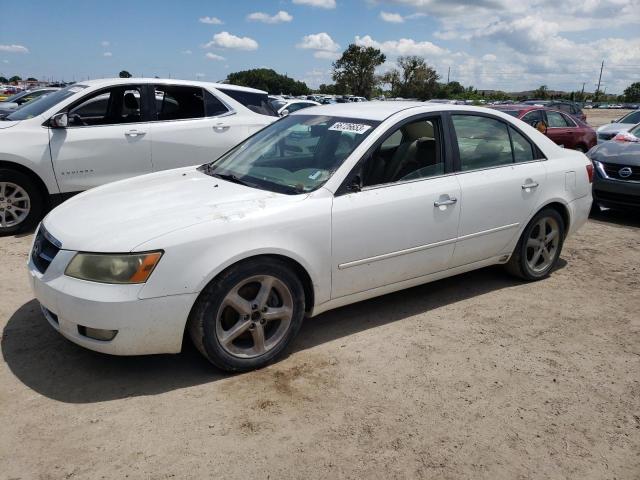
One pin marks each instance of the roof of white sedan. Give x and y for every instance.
(379, 111)
(98, 82)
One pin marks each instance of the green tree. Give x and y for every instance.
(355, 69)
(269, 80)
(632, 92)
(4, 80)
(542, 92)
(414, 79)
(125, 74)
(15, 79)
(31, 79)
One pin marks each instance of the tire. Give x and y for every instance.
(525, 262)
(22, 215)
(234, 322)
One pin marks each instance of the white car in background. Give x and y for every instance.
(100, 131)
(285, 107)
(608, 131)
(236, 252)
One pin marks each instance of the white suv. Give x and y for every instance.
(100, 131)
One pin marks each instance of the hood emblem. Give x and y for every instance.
(625, 172)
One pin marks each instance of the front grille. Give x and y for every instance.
(618, 198)
(606, 136)
(613, 171)
(45, 249)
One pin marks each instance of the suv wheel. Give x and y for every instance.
(21, 202)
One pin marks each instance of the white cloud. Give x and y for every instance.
(319, 41)
(5, 61)
(105, 43)
(199, 76)
(186, 52)
(279, 17)
(391, 17)
(107, 54)
(14, 48)
(227, 40)
(210, 20)
(489, 57)
(328, 4)
(324, 55)
(213, 56)
(404, 46)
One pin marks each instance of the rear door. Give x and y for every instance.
(501, 177)
(106, 140)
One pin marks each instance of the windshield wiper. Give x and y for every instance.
(229, 177)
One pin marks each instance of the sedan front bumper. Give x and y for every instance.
(73, 307)
(616, 193)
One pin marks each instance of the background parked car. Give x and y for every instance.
(610, 130)
(285, 107)
(565, 106)
(19, 99)
(563, 129)
(100, 131)
(617, 166)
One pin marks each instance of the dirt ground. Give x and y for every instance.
(478, 376)
(597, 117)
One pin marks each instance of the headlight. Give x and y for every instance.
(110, 268)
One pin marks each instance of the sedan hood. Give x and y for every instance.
(8, 123)
(614, 127)
(120, 216)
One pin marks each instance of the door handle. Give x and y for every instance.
(527, 186)
(221, 128)
(443, 203)
(134, 133)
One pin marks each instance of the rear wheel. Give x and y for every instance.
(539, 247)
(21, 202)
(246, 317)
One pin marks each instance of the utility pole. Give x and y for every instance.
(448, 73)
(599, 80)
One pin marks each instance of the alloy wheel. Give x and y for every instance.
(15, 204)
(542, 244)
(254, 316)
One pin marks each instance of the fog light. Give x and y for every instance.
(97, 333)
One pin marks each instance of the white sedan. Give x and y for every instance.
(323, 208)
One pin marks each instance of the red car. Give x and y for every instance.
(563, 129)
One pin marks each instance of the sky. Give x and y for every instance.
(490, 44)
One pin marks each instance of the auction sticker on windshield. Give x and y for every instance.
(358, 128)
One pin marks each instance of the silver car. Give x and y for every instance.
(610, 130)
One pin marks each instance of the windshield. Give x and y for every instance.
(33, 109)
(294, 155)
(633, 117)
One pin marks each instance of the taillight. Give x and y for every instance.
(590, 172)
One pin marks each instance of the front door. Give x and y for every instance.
(403, 223)
(501, 178)
(106, 140)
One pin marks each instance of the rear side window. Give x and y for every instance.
(556, 120)
(256, 102)
(177, 102)
(482, 142)
(522, 148)
(213, 106)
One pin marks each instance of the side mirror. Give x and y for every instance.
(284, 113)
(59, 120)
(540, 126)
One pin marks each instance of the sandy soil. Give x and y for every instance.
(597, 117)
(478, 376)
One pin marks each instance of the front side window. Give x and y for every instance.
(633, 117)
(178, 102)
(294, 155)
(483, 142)
(411, 152)
(532, 117)
(112, 106)
(556, 120)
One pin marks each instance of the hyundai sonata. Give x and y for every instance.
(323, 208)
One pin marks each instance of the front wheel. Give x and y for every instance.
(539, 247)
(247, 316)
(21, 202)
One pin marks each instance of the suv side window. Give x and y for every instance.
(111, 106)
(411, 152)
(556, 120)
(256, 102)
(178, 102)
(213, 106)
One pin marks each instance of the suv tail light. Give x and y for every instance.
(590, 172)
